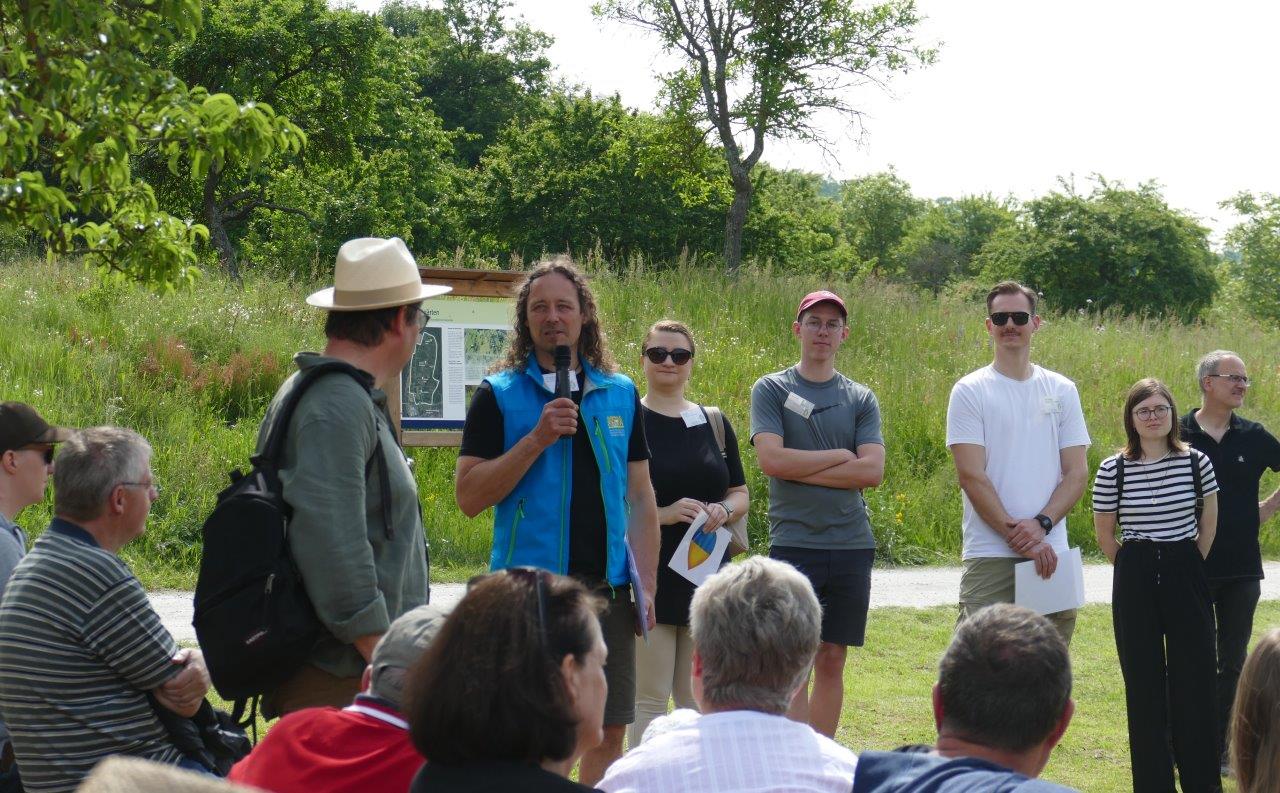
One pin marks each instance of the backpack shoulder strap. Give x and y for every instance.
(716, 419)
(1119, 483)
(1197, 479)
(280, 424)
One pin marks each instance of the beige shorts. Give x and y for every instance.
(990, 580)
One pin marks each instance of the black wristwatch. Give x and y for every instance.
(1045, 522)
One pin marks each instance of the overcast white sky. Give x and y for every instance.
(1023, 92)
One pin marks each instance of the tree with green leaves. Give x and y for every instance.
(478, 69)
(876, 209)
(760, 69)
(1257, 240)
(1112, 249)
(81, 100)
(587, 172)
(938, 245)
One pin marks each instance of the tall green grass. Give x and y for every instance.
(193, 371)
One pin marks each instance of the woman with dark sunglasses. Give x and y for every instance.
(690, 476)
(1162, 496)
(511, 692)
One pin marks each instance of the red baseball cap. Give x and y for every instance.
(821, 296)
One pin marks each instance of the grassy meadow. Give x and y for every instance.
(194, 370)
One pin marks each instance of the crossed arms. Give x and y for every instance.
(835, 468)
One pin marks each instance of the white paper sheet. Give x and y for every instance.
(706, 558)
(1061, 591)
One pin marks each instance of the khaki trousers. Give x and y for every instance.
(662, 670)
(310, 688)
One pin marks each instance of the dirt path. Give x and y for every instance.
(920, 587)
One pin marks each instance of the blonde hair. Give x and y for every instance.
(669, 326)
(1255, 720)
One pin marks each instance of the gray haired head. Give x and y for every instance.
(756, 626)
(91, 463)
(1209, 363)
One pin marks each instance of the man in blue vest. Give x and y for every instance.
(568, 477)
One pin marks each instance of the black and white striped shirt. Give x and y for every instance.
(80, 646)
(1159, 499)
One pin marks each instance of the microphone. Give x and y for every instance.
(562, 371)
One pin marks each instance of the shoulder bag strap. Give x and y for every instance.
(716, 420)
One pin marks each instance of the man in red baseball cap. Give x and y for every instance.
(817, 435)
(26, 463)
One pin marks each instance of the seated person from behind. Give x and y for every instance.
(1002, 702)
(363, 748)
(80, 644)
(756, 628)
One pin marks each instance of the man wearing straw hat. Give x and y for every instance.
(357, 538)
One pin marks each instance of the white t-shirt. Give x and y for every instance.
(739, 750)
(1023, 424)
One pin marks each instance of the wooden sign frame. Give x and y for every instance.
(465, 283)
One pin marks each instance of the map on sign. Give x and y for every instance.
(463, 341)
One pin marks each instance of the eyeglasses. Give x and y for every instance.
(151, 486)
(1001, 318)
(41, 447)
(1157, 412)
(1236, 379)
(422, 317)
(679, 356)
(815, 325)
(536, 576)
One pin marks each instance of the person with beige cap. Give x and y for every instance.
(356, 534)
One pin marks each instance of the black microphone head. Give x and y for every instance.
(562, 356)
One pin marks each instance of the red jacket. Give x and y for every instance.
(363, 748)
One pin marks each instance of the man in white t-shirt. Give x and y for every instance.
(756, 628)
(1018, 437)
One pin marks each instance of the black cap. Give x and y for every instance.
(21, 425)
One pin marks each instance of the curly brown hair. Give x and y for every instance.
(592, 343)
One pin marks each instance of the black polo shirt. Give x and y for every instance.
(1246, 450)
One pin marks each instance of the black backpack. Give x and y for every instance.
(254, 621)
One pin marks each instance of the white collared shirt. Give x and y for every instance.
(740, 750)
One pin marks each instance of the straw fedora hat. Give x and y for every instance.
(374, 273)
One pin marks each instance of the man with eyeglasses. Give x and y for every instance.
(356, 534)
(85, 662)
(1240, 450)
(26, 463)
(817, 436)
(1018, 438)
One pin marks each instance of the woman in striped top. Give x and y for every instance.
(1167, 512)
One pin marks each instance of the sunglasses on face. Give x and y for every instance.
(1001, 318)
(47, 452)
(679, 356)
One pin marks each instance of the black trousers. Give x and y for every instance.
(1234, 603)
(1163, 620)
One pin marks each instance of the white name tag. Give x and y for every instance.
(549, 380)
(1051, 405)
(798, 404)
(693, 417)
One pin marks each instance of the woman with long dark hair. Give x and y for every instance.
(511, 692)
(1161, 494)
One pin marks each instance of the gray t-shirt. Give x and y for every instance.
(13, 546)
(845, 415)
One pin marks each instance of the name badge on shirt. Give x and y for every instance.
(1051, 405)
(693, 417)
(549, 380)
(798, 404)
